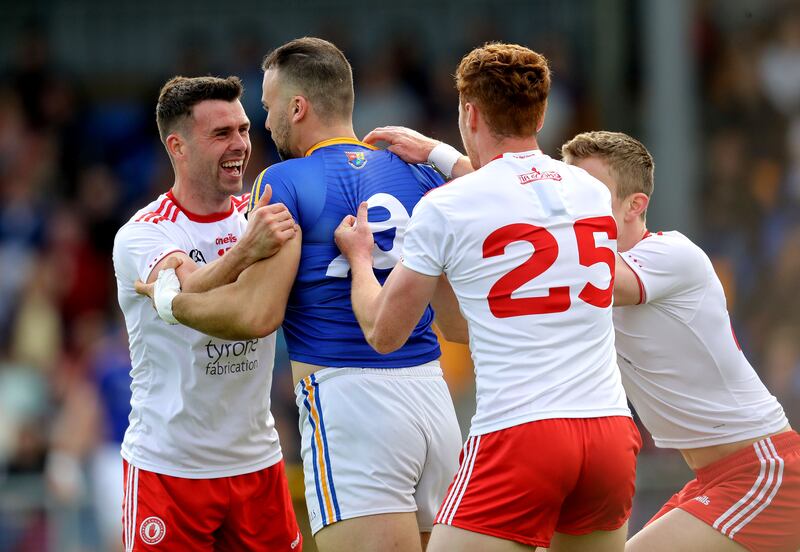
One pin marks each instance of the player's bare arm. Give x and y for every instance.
(387, 315)
(448, 320)
(253, 306)
(269, 227)
(627, 289)
(413, 147)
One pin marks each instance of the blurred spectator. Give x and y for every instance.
(780, 63)
(383, 98)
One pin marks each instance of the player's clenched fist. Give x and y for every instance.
(268, 227)
(354, 237)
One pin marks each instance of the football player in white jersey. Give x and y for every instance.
(529, 246)
(681, 365)
(376, 468)
(688, 379)
(202, 460)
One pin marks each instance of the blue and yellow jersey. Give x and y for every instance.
(320, 189)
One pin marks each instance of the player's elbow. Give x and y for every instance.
(263, 323)
(383, 343)
(454, 334)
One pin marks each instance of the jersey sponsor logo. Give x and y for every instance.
(356, 159)
(295, 542)
(152, 530)
(535, 174)
(230, 358)
(230, 238)
(197, 256)
(703, 500)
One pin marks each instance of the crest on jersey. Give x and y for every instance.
(152, 530)
(356, 159)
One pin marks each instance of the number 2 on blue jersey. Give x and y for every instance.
(381, 259)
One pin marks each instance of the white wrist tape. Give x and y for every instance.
(166, 288)
(444, 157)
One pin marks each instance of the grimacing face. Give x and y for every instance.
(276, 104)
(217, 140)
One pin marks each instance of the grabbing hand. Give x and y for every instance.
(409, 145)
(354, 237)
(268, 227)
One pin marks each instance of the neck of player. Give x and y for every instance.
(317, 134)
(630, 233)
(198, 200)
(492, 148)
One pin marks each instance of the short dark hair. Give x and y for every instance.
(320, 70)
(180, 94)
(509, 82)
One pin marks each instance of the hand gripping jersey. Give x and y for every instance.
(528, 244)
(319, 190)
(681, 365)
(200, 405)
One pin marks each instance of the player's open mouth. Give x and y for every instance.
(233, 168)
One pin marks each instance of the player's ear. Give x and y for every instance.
(636, 205)
(299, 108)
(540, 124)
(471, 111)
(175, 145)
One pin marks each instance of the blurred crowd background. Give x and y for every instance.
(711, 87)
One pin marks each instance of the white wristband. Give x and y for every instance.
(444, 157)
(166, 288)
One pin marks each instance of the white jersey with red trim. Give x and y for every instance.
(200, 406)
(682, 367)
(528, 244)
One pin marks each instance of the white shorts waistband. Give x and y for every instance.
(430, 369)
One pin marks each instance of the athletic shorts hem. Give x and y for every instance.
(697, 516)
(499, 534)
(351, 515)
(694, 515)
(593, 530)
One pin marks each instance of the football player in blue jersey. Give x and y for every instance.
(380, 439)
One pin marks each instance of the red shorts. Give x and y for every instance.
(244, 512)
(751, 496)
(523, 483)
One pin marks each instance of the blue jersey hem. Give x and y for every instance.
(372, 363)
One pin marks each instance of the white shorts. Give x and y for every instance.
(377, 441)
